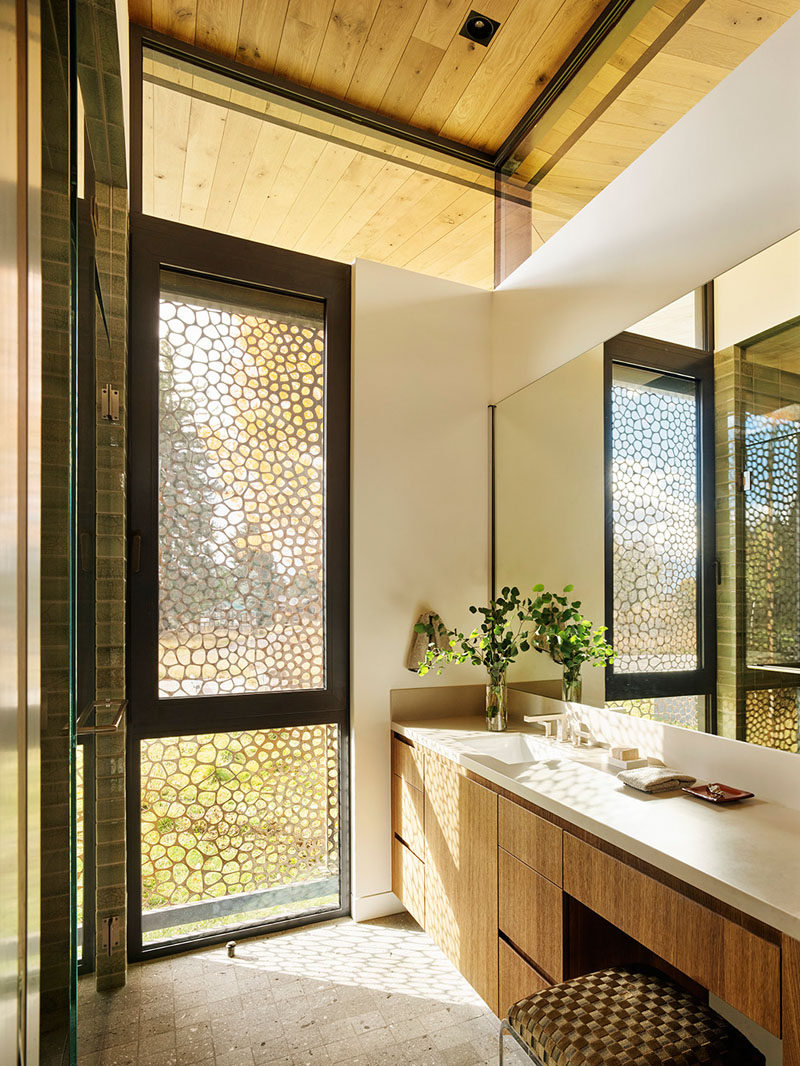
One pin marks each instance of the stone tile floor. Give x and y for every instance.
(374, 994)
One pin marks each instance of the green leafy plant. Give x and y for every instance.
(494, 644)
(560, 630)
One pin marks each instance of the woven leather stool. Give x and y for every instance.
(624, 1016)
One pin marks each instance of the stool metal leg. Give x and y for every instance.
(505, 1028)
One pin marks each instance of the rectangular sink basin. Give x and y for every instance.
(511, 749)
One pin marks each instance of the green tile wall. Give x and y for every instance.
(55, 473)
(112, 265)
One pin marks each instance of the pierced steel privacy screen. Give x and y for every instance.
(241, 490)
(232, 819)
(773, 717)
(686, 711)
(654, 486)
(772, 543)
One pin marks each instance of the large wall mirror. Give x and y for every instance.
(659, 474)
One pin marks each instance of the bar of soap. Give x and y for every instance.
(624, 754)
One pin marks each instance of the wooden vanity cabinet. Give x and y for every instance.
(461, 873)
(517, 978)
(790, 958)
(531, 915)
(408, 828)
(408, 762)
(408, 815)
(408, 880)
(513, 900)
(531, 839)
(444, 860)
(531, 903)
(736, 964)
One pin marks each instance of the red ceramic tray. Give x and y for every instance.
(731, 795)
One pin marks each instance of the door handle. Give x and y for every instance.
(82, 729)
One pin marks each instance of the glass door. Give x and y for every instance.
(238, 585)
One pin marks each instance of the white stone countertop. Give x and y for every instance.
(746, 854)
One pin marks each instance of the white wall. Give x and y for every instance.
(722, 184)
(550, 503)
(419, 514)
(758, 294)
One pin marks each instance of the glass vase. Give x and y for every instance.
(496, 705)
(571, 687)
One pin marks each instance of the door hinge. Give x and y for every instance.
(109, 403)
(744, 481)
(109, 934)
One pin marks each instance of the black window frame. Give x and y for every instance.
(156, 246)
(634, 350)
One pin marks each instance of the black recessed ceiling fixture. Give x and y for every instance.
(479, 28)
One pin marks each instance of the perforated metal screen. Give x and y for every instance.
(654, 486)
(238, 827)
(241, 490)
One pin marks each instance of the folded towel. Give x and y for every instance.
(420, 642)
(655, 778)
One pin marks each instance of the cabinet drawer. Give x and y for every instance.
(737, 965)
(408, 762)
(530, 838)
(408, 880)
(407, 814)
(530, 913)
(751, 979)
(517, 978)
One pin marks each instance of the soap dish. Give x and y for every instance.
(626, 764)
(724, 793)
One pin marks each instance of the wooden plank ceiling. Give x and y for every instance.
(242, 162)
(402, 58)
(237, 161)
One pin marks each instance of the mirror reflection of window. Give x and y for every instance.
(660, 588)
(655, 516)
(770, 400)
